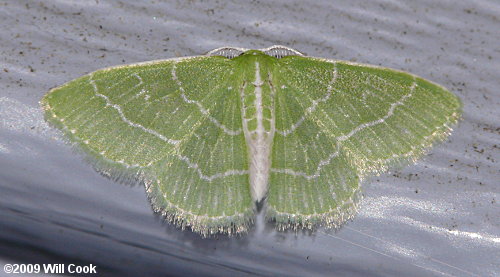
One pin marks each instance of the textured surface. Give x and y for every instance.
(435, 218)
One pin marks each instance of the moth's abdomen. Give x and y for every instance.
(258, 126)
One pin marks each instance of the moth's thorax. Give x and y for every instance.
(257, 98)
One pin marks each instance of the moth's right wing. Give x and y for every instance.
(339, 122)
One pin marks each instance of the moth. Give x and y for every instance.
(213, 136)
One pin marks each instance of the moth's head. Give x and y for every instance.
(276, 51)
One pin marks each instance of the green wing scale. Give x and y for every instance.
(210, 136)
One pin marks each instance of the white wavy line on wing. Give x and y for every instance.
(311, 108)
(212, 177)
(339, 139)
(126, 120)
(201, 108)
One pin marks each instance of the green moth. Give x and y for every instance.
(212, 136)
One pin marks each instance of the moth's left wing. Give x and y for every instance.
(176, 124)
